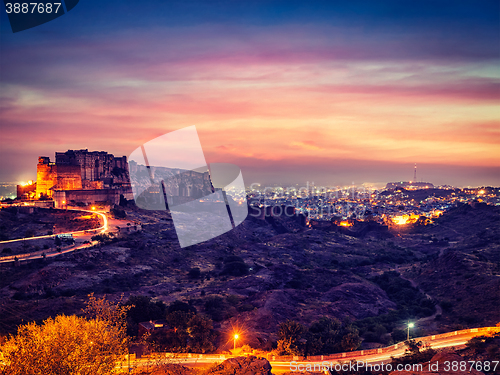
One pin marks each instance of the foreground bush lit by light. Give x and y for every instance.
(61, 346)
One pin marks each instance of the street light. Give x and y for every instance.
(236, 336)
(410, 325)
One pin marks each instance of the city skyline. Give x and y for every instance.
(337, 94)
(323, 180)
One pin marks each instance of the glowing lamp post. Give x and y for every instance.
(410, 325)
(235, 337)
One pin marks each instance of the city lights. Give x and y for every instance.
(405, 219)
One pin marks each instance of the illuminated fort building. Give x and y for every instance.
(80, 176)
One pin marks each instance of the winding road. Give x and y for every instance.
(83, 238)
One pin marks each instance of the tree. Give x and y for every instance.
(235, 269)
(186, 332)
(142, 309)
(414, 346)
(101, 238)
(489, 344)
(201, 334)
(168, 340)
(179, 320)
(194, 273)
(323, 336)
(180, 306)
(118, 212)
(329, 335)
(398, 335)
(290, 336)
(215, 307)
(113, 314)
(61, 346)
(416, 352)
(350, 340)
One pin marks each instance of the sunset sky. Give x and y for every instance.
(334, 92)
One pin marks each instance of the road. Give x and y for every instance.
(280, 366)
(80, 236)
(455, 339)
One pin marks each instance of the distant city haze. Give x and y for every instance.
(330, 93)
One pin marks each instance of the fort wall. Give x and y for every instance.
(51, 176)
(63, 198)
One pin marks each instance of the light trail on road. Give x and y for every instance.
(279, 366)
(80, 233)
(102, 228)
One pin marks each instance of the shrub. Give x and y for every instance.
(235, 269)
(398, 335)
(194, 273)
(215, 307)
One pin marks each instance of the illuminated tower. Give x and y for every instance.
(415, 173)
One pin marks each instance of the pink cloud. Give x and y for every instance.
(263, 95)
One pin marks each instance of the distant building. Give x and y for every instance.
(26, 190)
(80, 176)
(152, 326)
(409, 185)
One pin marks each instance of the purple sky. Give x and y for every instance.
(290, 91)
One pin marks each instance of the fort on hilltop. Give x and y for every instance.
(80, 176)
